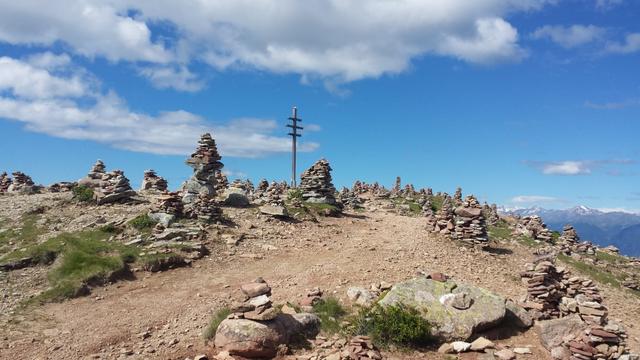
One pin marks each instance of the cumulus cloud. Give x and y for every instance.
(337, 41)
(53, 104)
(534, 199)
(575, 167)
(608, 4)
(613, 105)
(569, 36)
(630, 45)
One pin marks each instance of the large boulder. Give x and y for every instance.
(261, 339)
(235, 197)
(433, 299)
(552, 332)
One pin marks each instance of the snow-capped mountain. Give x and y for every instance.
(618, 228)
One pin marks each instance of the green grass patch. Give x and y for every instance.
(218, 317)
(26, 233)
(294, 194)
(330, 312)
(160, 261)
(393, 325)
(142, 222)
(82, 193)
(610, 258)
(321, 209)
(592, 271)
(436, 203)
(499, 232)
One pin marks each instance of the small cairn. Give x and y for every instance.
(222, 182)
(205, 161)
(262, 187)
(361, 348)
(22, 183)
(316, 185)
(152, 182)
(63, 186)
(444, 223)
(169, 203)
(457, 196)
(396, 186)
(114, 186)
(491, 214)
(569, 236)
(205, 209)
(5, 182)
(632, 282)
(257, 304)
(350, 199)
(543, 281)
(470, 225)
(533, 227)
(94, 177)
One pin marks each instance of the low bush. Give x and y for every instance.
(210, 331)
(330, 312)
(82, 193)
(392, 325)
(142, 222)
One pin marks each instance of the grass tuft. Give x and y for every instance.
(330, 312)
(218, 317)
(393, 325)
(142, 222)
(592, 271)
(82, 193)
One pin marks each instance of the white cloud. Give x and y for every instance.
(570, 36)
(179, 78)
(566, 168)
(534, 199)
(608, 4)
(630, 45)
(51, 104)
(615, 105)
(339, 41)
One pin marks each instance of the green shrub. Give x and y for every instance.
(83, 193)
(218, 317)
(393, 325)
(142, 222)
(294, 194)
(330, 312)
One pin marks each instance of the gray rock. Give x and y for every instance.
(235, 197)
(361, 296)
(163, 218)
(518, 316)
(449, 324)
(274, 210)
(552, 332)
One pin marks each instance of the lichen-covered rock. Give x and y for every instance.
(552, 332)
(449, 323)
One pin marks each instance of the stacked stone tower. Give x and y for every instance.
(316, 184)
(205, 161)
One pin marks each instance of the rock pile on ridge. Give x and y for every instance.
(444, 223)
(153, 182)
(205, 209)
(533, 227)
(205, 161)
(22, 183)
(457, 196)
(316, 184)
(94, 177)
(169, 203)
(114, 186)
(5, 182)
(222, 182)
(491, 214)
(350, 199)
(63, 186)
(543, 282)
(470, 225)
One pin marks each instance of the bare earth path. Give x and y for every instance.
(174, 306)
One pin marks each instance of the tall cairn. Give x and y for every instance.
(114, 187)
(316, 184)
(222, 182)
(22, 183)
(444, 218)
(5, 182)
(94, 177)
(397, 185)
(152, 182)
(457, 197)
(205, 161)
(470, 225)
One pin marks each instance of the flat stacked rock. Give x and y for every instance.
(257, 304)
(632, 282)
(205, 208)
(544, 283)
(114, 186)
(169, 203)
(444, 218)
(222, 182)
(5, 182)
(470, 225)
(533, 227)
(94, 177)
(491, 214)
(397, 185)
(205, 161)
(152, 182)
(316, 185)
(350, 199)
(22, 183)
(583, 297)
(262, 187)
(63, 186)
(361, 348)
(359, 187)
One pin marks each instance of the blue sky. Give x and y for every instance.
(521, 102)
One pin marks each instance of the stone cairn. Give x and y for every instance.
(169, 203)
(153, 182)
(94, 177)
(491, 214)
(444, 222)
(114, 186)
(396, 186)
(350, 199)
(63, 186)
(457, 196)
(556, 293)
(205, 209)
(222, 182)
(316, 185)
(533, 227)
(257, 304)
(569, 242)
(205, 161)
(470, 225)
(5, 182)
(22, 183)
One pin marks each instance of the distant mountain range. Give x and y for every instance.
(620, 229)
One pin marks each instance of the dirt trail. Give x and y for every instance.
(174, 306)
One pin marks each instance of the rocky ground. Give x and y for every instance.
(163, 315)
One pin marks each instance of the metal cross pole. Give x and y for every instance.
(294, 135)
